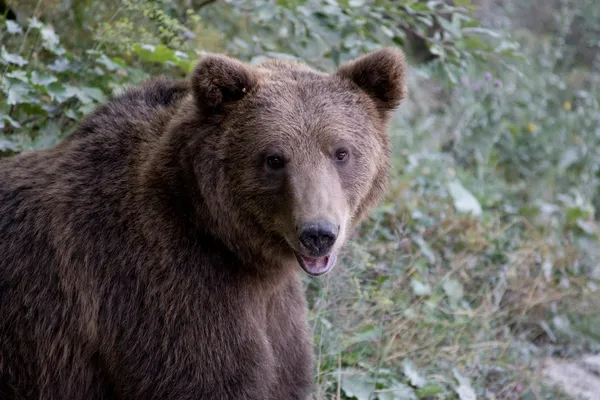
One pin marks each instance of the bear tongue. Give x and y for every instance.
(316, 266)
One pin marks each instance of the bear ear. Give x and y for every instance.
(382, 75)
(219, 79)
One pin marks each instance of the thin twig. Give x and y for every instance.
(205, 3)
(35, 10)
(339, 380)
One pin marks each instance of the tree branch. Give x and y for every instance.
(205, 3)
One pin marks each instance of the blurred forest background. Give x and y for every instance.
(484, 259)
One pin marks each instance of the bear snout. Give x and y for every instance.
(318, 237)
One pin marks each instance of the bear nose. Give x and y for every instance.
(318, 237)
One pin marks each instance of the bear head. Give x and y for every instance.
(288, 159)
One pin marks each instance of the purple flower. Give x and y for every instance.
(498, 83)
(519, 388)
(487, 76)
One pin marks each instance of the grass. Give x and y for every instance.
(458, 298)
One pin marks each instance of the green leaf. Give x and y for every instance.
(57, 92)
(420, 288)
(185, 65)
(464, 390)
(35, 23)
(387, 31)
(8, 58)
(86, 108)
(71, 114)
(356, 3)
(49, 136)
(13, 28)
(108, 63)
(397, 391)
(74, 91)
(266, 13)
(484, 31)
(16, 93)
(50, 41)
(18, 74)
(164, 55)
(453, 289)
(367, 334)
(429, 390)
(425, 248)
(160, 53)
(464, 201)
(426, 19)
(575, 213)
(571, 156)
(421, 6)
(588, 226)
(8, 147)
(6, 118)
(85, 94)
(42, 78)
(60, 65)
(94, 93)
(415, 378)
(437, 50)
(358, 385)
(449, 26)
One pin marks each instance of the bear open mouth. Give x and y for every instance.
(316, 266)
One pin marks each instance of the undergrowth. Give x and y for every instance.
(482, 261)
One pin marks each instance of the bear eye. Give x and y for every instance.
(275, 162)
(341, 155)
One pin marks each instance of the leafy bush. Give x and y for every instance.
(325, 33)
(47, 88)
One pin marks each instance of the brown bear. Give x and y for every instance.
(153, 254)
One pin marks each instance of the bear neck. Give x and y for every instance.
(180, 182)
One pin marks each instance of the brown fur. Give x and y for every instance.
(150, 255)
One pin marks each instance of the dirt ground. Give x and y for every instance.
(580, 378)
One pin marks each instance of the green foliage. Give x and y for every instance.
(506, 122)
(156, 23)
(47, 88)
(326, 33)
